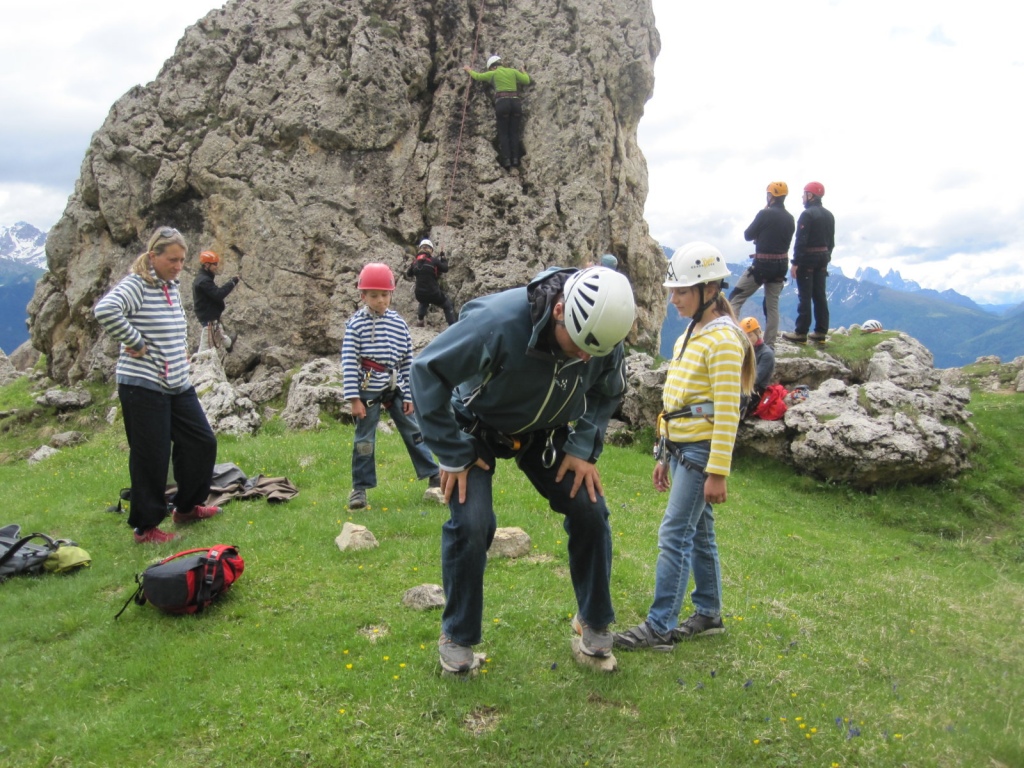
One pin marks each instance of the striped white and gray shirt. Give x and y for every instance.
(136, 313)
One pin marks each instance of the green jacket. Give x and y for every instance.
(502, 78)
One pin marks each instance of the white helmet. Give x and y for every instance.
(871, 326)
(599, 309)
(493, 60)
(695, 263)
(425, 243)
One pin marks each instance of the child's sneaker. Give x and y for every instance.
(454, 656)
(697, 626)
(357, 499)
(154, 536)
(643, 636)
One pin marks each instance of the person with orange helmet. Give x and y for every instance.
(376, 355)
(764, 359)
(812, 251)
(771, 232)
(208, 302)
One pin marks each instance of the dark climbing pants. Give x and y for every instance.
(810, 288)
(509, 113)
(438, 299)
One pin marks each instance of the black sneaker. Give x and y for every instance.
(643, 636)
(357, 499)
(697, 626)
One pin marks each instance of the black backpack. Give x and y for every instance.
(187, 582)
(17, 555)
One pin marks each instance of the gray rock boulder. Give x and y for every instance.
(8, 372)
(229, 411)
(355, 537)
(300, 140)
(316, 387)
(424, 597)
(65, 399)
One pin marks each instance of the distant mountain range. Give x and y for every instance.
(955, 329)
(22, 263)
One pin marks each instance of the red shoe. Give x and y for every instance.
(155, 536)
(197, 513)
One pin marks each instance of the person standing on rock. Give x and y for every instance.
(375, 357)
(771, 232)
(812, 251)
(208, 302)
(712, 367)
(508, 109)
(506, 382)
(426, 268)
(158, 402)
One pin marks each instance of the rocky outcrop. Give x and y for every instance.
(885, 421)
(302, 139)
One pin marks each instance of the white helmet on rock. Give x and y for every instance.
(871, 326)
(695, 263)
(599, 309)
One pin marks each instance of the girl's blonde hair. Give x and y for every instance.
(161, 239)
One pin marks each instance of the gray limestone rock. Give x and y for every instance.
(317, 386)
(424, 597)
(301, 140)
(510, 542)
(67, 439)
(355, 537)
(65, 399)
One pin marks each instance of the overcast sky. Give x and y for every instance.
(907, 111)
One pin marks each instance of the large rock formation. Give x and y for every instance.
(303, 138)
(886, 421)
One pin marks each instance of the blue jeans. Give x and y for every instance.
(364, 465)
(468, 533)
(686, 540)
(166, 429)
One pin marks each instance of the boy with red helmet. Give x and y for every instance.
(376, 355)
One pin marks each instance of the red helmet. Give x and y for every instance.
(816, 188)
(376, 277)
(209, 257)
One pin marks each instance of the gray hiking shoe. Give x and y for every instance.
(454, 657)
(593, 642)
(357, 499)
(697, 626)
(643, 636)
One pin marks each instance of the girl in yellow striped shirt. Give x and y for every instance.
(712, 366)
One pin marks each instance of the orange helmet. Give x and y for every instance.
(816, 188)
(209, 257)
(750, 324)
(376, 277)
(778, 189)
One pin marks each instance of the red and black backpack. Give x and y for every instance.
(188, 581)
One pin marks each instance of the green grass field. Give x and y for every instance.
(863, 630)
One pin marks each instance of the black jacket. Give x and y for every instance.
(816, 230)
(426, 269)
(208, 298)
(772, 230)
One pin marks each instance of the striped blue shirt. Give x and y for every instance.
(383, 339)
(136, 313)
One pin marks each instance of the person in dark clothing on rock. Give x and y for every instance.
(764, 360)
(508, 109)
(812, 251)
(771, 232)
(208, 302)
(426, 269)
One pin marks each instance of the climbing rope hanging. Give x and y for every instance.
(462, 127)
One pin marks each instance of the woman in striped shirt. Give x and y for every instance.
(158, 402)
(712, 366)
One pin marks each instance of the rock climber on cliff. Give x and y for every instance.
(508, 109)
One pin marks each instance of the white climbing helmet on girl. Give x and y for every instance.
(599, 309)
(695, 263)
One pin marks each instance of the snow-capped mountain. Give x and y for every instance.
(24, 244)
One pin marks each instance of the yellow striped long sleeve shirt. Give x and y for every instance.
(709, 371)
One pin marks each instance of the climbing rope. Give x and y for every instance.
(462, 127)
